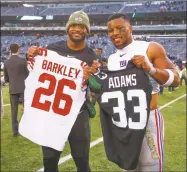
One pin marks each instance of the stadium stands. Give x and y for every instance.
(96, 8)
(156, 7)
(59, 11)
(174, 46)
(103, 8)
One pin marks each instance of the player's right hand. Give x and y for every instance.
(33, 51)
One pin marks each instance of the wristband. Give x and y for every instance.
(152, 71)
(170, 79)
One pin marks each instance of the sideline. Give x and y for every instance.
(6, 105)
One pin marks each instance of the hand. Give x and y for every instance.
(33, 51)
(95, 65)
(141, 62)
(86, 73)
(91, 70)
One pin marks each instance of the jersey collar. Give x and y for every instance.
(125, 49)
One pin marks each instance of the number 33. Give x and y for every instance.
(141, 109)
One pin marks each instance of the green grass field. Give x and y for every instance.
(19, 154)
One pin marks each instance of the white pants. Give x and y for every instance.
(152, 152)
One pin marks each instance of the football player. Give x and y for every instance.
(152, 58)
(77, 27)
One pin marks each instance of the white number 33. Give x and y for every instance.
(120, 109)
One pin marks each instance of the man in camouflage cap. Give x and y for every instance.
(78, 17)
(77, 28)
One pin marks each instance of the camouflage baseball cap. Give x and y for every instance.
(79, 17)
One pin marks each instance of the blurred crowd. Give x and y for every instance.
(93, 8)
(175, 47)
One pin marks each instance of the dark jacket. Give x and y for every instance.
(15, 73)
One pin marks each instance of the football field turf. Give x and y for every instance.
(19, 154)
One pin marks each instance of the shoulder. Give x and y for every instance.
(90, 52)
(23, 59)
(56, 45)
(141, 46)
(88, 55)
(155, 49)
(155, 45)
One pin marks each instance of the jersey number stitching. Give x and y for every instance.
(59, 95)
(120, 109)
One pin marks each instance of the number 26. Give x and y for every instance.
(59, 95)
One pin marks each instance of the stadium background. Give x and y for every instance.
(42, 22)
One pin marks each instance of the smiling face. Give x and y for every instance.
(120, 32)
(77, 32)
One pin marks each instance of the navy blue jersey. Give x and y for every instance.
(124, 111)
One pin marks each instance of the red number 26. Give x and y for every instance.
(59, 95)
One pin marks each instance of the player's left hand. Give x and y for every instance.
(95, 65)
(91, 70)
(141, 62)
(86, 73)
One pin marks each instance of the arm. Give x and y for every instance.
(6, 78)
(157, 56)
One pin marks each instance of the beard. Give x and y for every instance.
(77, 40)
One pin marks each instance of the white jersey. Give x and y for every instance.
(120, 58)
(53, 99)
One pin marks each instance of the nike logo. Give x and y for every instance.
(122, 55)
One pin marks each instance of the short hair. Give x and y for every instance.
(14, 48)
(119, 15)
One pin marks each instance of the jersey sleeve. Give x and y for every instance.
(31, 60)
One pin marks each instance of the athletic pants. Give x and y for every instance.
(152, 152)
(79, 140)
